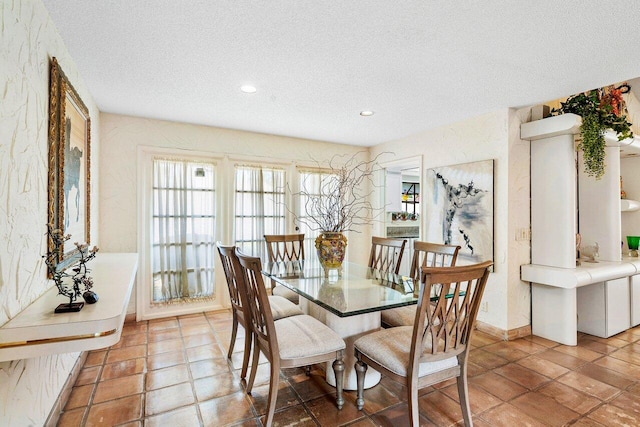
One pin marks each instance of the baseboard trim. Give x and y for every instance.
(63, 397)
(502, 334)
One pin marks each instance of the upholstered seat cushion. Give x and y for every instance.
(283, 291)
(305, 336)
(391, 347)
(282, 307)
(401, 316)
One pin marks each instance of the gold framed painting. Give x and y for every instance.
(69, 165)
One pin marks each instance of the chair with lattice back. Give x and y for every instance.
(386, 254)
(287, 343)
(284, 248)
(280, 307)
(436, 347)
(425, 254)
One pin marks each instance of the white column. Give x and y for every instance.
(599, 207)
(554, 313)
(553, 222)
(553, 190)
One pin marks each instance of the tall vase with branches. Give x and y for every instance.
(341, 203)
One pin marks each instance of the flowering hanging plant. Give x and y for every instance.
(70, 285)
(600, 109)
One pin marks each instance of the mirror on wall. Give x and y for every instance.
(402, 208)
(402, 187)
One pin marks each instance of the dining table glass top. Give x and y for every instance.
(359, 289)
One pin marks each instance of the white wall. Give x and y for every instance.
(519, 218)
(122, 135)
(28, 39)
(630, 172)
(490, 136)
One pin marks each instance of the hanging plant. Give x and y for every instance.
(600, 109)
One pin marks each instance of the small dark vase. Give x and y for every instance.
(90, 297)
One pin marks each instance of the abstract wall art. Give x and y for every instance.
(459, 208)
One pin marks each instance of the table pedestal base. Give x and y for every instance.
(350, 329)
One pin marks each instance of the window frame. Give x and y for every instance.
(225, 215)
(145, 309)
(188, 245)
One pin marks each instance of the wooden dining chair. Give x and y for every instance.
(386, 254)
(436, 347)
(280, 307)
(286, 343)
(425, 254)
(283, 248)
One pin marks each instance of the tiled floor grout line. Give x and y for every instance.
(526, 390)
(595, 351)
(145, 377)
(603, 402)
(94, 387)
(229, 361)
(185, 352)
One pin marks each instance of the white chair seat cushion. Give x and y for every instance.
(282, 307)
(401, 316)
(283, 291)
(305, 336)
(390, 348)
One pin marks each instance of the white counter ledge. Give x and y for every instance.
(585, 274)
(38, 331)
(555, 301)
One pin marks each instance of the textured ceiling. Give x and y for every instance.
(317, 64)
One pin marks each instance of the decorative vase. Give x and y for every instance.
(90, 297)
(331, 247)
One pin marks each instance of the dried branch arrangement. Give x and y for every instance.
(69, 285)
(342, 202)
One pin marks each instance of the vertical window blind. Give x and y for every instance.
(259, 207)
(183, 235)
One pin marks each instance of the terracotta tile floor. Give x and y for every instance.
(174, 372)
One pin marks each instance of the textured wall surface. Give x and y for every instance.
(28, 39)
(519, 218)
(480, 138)
(122, 135)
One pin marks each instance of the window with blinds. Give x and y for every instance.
(311, 183)
(259, 207)
(183, 235)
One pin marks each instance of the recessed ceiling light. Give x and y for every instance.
(248, 89)
(366, 113)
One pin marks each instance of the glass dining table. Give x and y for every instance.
(349, 303)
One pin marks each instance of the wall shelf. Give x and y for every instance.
(559, 289)
(38, 331)
(627, 205)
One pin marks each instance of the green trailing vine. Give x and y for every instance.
(600, 110)
(593, 151)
